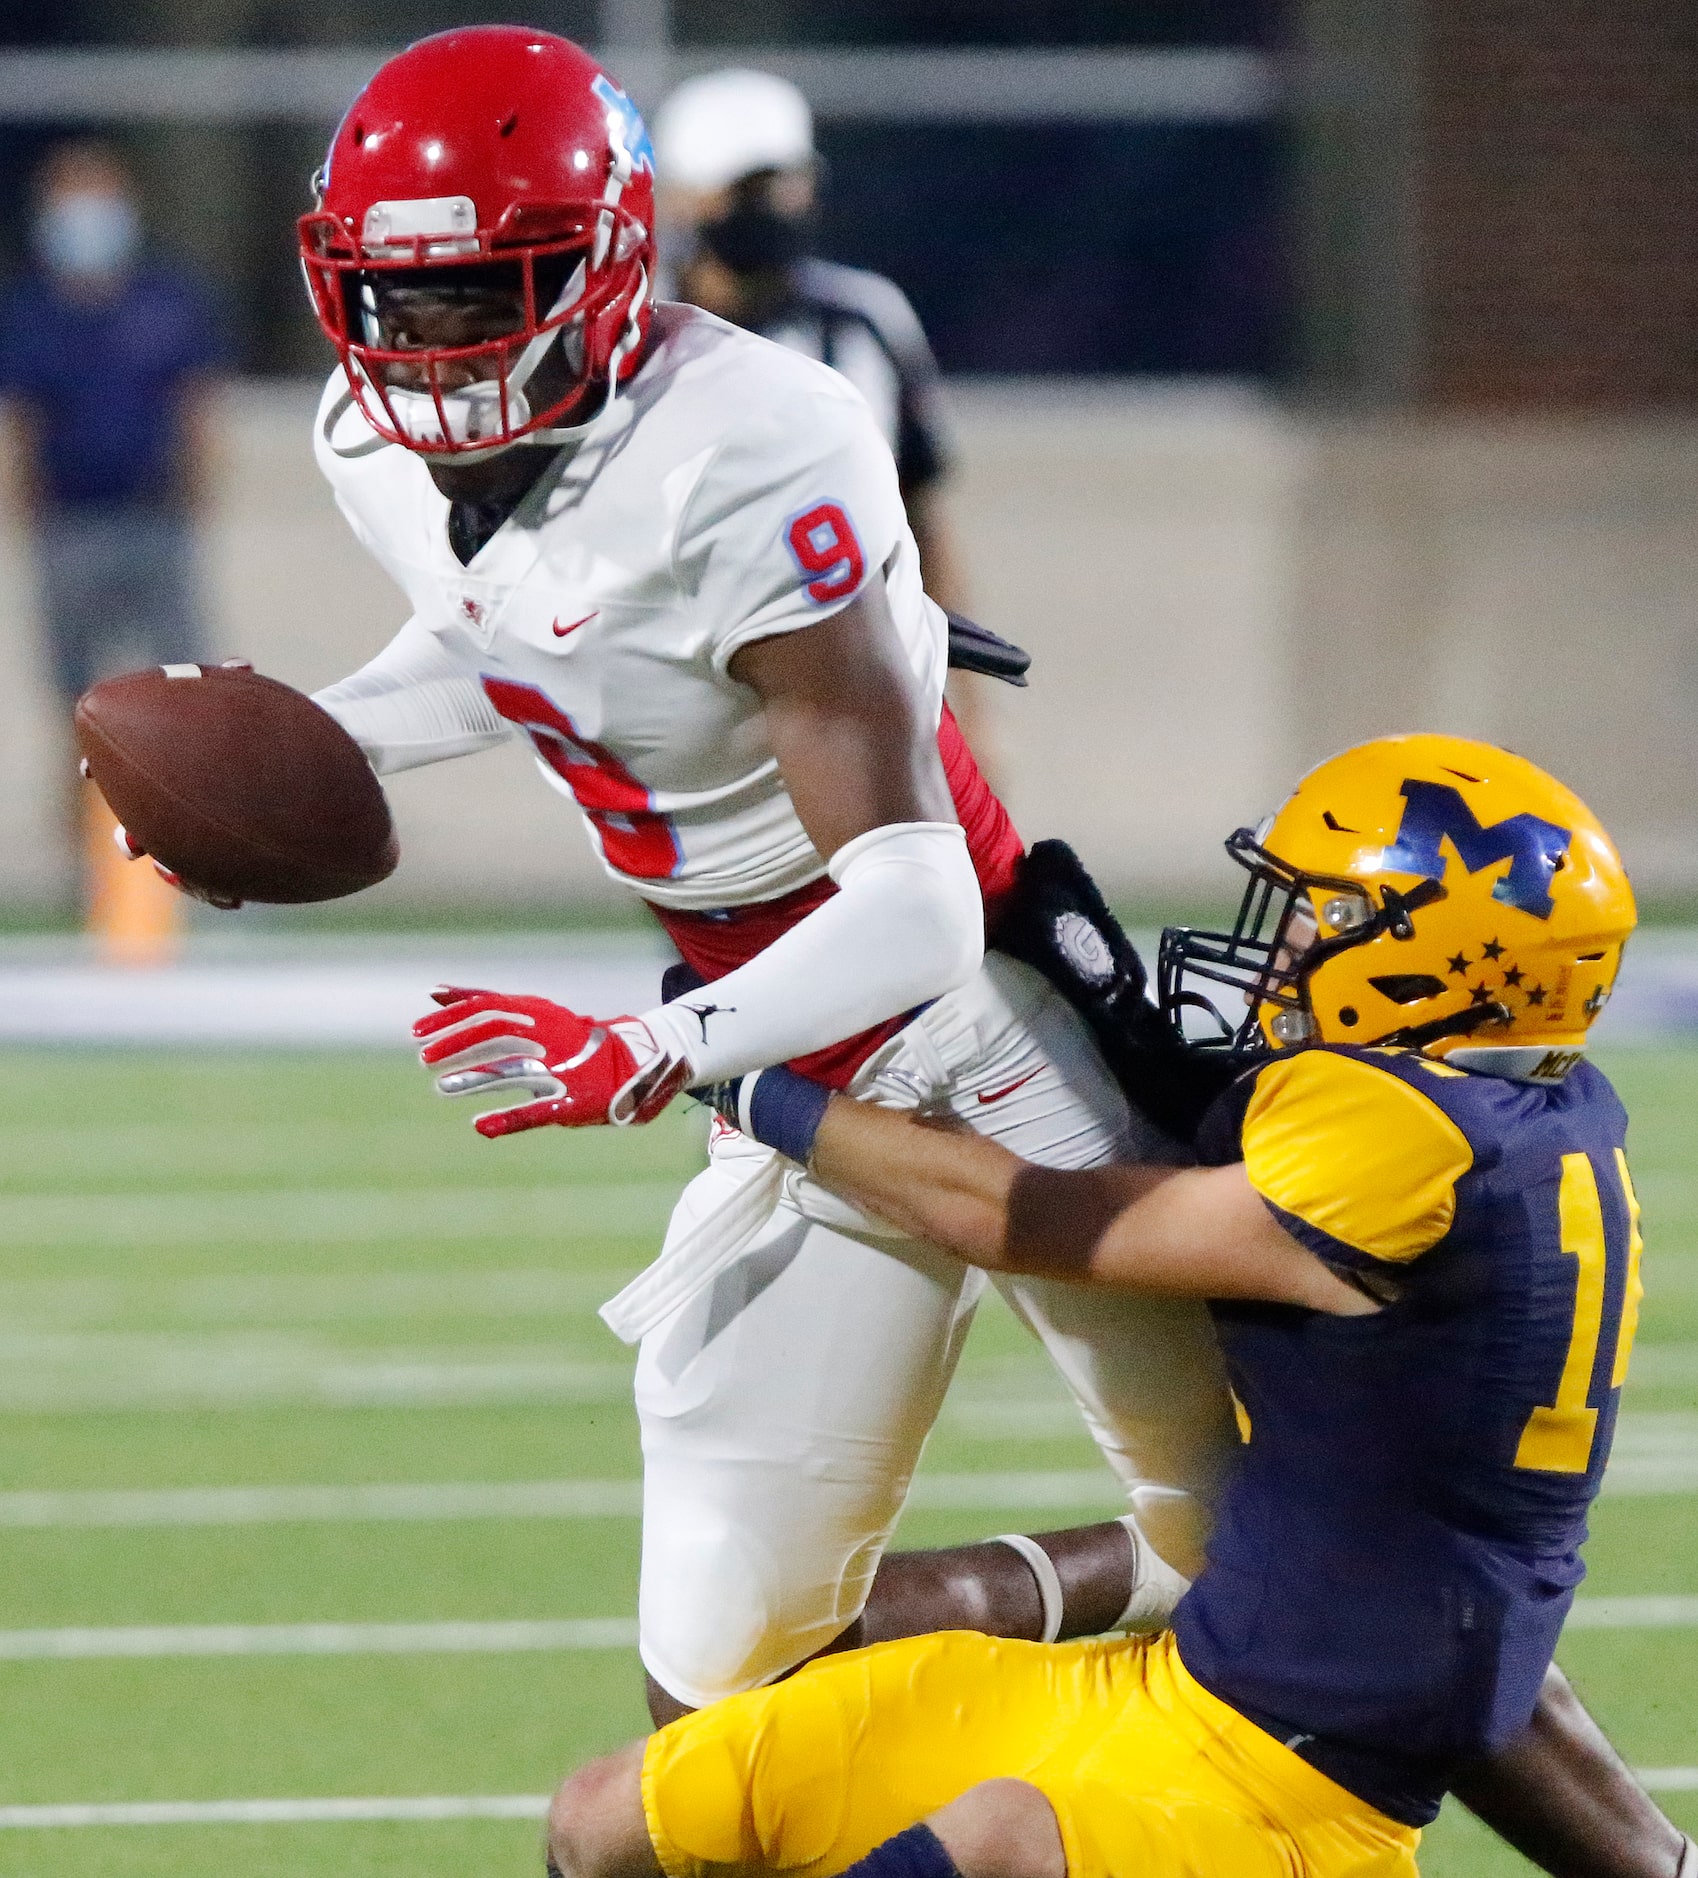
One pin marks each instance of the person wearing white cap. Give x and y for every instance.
(737, 174)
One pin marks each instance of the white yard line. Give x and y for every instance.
(1080, 1489)
(1030, 1492)
(301, 994)
(276, 1506)
(422, 1807)
(1034, 1490)
(332, 1215)
(1670, 1478)
(971, 1414)
(453, 1639)
(313, 991)
(1642, 1613)
(69, 1305)
(73, 1371)
(1654, 1453)
(517, 1636)
(1664, 1365)
(277, 1812)
(153, 1375)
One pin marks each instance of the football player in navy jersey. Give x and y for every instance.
(1414, 1224)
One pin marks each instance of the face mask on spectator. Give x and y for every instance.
(87, 234)
(754, 237)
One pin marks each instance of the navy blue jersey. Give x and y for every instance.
(1400, 1542)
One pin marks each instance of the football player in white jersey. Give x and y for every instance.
(673, 555)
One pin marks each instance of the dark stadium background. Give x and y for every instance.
(1038, 248)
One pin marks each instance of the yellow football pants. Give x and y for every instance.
(1150, 1776)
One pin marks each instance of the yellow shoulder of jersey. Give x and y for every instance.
(1355, 1153)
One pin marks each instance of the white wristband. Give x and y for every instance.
(1049, 1579)
(1156, 1587)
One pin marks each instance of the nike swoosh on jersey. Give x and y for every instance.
(560, 631)
(996, 1095)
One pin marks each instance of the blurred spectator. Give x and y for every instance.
(107, 363)
(738, 173)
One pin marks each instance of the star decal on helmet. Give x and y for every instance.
(1537, 995)
(1459, 964)
(1491, 950)
(1513, 975)
(1479, 994)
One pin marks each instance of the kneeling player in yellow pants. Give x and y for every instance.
(1144, 1770)
(1420, 1246)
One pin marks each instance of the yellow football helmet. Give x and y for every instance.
(1426, 891)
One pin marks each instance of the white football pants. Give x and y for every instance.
(783, 1409)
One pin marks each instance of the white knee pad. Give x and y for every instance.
(730, 1603)
(705, 1613)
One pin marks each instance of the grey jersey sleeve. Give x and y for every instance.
(414, 703)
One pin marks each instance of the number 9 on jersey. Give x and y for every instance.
(824, 545)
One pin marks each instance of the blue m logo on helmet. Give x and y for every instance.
(1533, 847)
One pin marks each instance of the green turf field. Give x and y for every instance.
(297, 1273)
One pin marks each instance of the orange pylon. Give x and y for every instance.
(133, 917)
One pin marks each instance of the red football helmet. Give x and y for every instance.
(503, 169)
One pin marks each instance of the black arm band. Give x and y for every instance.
(975, 648)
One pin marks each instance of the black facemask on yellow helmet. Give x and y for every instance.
(1423, 891)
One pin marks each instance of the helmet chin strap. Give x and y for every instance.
(1458, 1024)
(629, 340)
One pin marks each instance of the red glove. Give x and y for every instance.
(584, 1070)
(127, 847)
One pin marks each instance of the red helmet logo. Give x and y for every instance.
(482, 252)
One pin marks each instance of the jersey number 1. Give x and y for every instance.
(1558, 1439)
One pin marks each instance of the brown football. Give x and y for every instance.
(244, 787)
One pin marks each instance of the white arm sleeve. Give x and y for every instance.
(414, 703)
(907, 925)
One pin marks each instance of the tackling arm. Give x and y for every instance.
(1560, 1794)
(1180, 1232)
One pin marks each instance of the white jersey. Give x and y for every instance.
(733, 491)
